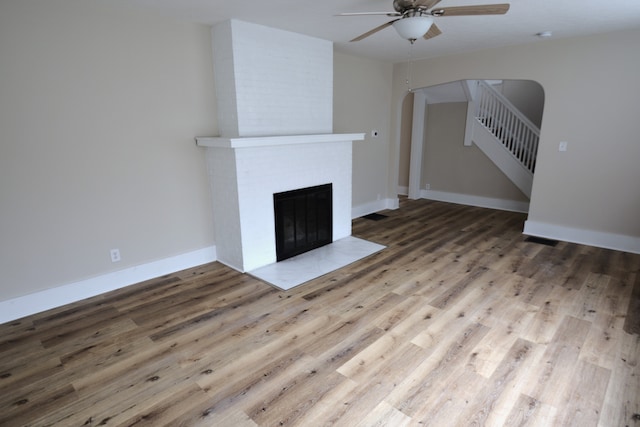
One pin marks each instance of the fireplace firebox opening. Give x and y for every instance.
(303, 220)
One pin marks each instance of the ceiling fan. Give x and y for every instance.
(415, 17)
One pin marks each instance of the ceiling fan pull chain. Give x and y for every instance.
(409, 62)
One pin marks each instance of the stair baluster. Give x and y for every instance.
(517, 134)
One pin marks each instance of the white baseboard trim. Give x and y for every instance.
(375, 206)
(483, 202)
(599, 239)
(26, 305)
(404, 191)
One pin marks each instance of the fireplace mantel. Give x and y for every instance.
(268, 141)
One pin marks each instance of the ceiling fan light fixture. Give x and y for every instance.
(413, 27)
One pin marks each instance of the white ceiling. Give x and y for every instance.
(565, 18)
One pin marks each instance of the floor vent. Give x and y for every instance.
(541, 241)
(375, 216)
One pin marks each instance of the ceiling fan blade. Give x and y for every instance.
(375, 30)
(433, 31)
(484, 9)
(427, 4)
(369, 13)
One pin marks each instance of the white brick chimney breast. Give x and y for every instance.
(275, 114)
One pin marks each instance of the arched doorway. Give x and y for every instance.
(444, 156)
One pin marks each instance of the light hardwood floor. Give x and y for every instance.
(459, 322)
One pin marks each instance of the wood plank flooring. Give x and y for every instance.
(459, 322)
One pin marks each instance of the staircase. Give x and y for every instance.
(504, 134)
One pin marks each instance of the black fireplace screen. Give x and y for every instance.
(303, 220)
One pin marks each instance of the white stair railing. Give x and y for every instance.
(517, 133)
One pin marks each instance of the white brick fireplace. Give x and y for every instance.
(275, 113)
(245, 173)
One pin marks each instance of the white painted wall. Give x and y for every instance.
(450, 166)
(527, 96)
(362, 96)
(99, 106)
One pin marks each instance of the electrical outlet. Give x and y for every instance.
(563, 146)
(427, 187)
(115, 255)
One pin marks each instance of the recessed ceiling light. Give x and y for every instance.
(544, 34)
